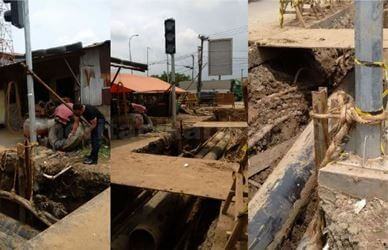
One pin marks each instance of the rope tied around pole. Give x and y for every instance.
(347, 114)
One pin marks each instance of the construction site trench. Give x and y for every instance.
(162, 217)
(279, 86)
(56, 183)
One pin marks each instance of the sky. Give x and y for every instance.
(214, 18)
(60, 22)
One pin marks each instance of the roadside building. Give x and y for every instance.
(80, 73)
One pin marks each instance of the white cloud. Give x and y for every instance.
(193, 17)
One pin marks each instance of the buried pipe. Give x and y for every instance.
(156, 217)
(273, 209)
(11, 226)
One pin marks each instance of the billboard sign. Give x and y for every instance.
(220, 57)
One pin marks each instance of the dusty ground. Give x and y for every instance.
(263, 19)
(9, 139)
(347, 229)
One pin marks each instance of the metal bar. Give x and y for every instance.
(51, 91)
(30, 80)
(369, 87)
(72, 72)
(116, 75)
(173, 94)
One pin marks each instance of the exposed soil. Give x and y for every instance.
(55, 193)
(279, 104)
(347, 229)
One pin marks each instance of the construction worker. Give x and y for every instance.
(58, 134)
(96, 130)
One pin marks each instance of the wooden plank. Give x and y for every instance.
(220, 124)
(224, 224)
(321, 131)
(205, 178)
(239, 196)
(313, 38)
(133, 143)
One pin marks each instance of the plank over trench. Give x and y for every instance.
(313, 38)
(205, 178)
(220, 124)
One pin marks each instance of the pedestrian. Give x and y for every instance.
(96, 130)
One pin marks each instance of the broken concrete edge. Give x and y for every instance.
(357, 182)
(85, 228)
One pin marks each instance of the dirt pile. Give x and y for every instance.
(61, 183)
(347, 229)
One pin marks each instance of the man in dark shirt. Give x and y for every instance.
(97, 122)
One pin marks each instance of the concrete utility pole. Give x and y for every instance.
(242, 71)
(200, 63)
(148, 66)
(129, 45)
(369, 80)
(30, 80)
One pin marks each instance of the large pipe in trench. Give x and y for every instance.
(275, 206)
(159, 213)
(13, 233)
(155, 219)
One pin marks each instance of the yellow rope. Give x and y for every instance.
(375, 64)
(281, 12)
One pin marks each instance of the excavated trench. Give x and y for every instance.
(160, 220)
(279, 105)
(60, 184)
(149, 219)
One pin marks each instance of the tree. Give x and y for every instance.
(179, 77)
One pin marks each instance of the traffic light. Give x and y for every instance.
(169, 35)
(15, 14)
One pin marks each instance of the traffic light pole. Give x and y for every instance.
(369, 80)
(173, 94)
(30, 80)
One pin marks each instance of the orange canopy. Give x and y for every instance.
(141, 84)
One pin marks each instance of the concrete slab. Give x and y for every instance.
(205, 178)
(314, 38)
(358, 182)
(88, 227)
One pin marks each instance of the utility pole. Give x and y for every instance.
(192, 70)
(369, 79)
(148, 66)
(30, 80)
(242, 71)
(200, 63)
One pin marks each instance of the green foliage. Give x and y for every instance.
(179, 77)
